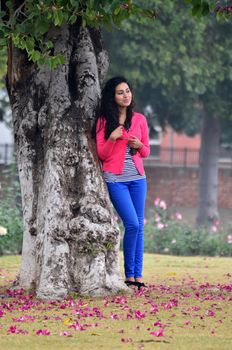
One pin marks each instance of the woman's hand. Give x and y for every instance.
(117, 133)
(134, 142)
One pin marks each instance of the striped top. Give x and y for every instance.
(129, 173)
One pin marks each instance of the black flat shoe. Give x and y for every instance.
(131, 283)
(141, 284)
(134, 283)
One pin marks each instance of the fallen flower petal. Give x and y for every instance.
(15, 330)
(65, 334)
(158, 333)
(210, 313)
(139, 314)
(43, 332)
(158, 323)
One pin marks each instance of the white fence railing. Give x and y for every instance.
(159, 156)
(6, 153)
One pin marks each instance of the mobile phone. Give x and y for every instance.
(133, 151)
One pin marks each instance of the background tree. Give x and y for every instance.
(182, 67)
(70, 236)
(222, 9)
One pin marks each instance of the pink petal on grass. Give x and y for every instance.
(158, 323)
(172, 303)
(77, 326)
(14, 292)
(114, 316)
(25, 318)
(43, 332)
(154, 309)
(139, 314)
(15, 330)
(158, 333)
(71, 303)
(119, 300)
(210, 313)
(106, 302)
(228, 275)
(65, 334)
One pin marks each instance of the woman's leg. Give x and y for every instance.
(138, 191)
(121, 198)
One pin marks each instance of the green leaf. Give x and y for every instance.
(30, 44)
(41, 26)
(9, 4)
(74, 3)
(60, 59)
(58, 18)
(54, 61)
(205, 8)
(2, 42)
(114, 5)
(196, 2)
(219, 15)
(49, 44)
(117, 11)
(2, 14)
(34, 55)
(72, 19)
(196, 11)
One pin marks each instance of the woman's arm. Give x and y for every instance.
(104, 147)
(144, 151)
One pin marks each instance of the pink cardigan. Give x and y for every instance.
(112, 153)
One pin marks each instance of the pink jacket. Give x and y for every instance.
(112, 153)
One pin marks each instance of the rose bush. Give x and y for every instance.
(170, 234)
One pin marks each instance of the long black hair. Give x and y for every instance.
(109, 109)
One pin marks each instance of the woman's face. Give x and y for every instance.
(123, 95)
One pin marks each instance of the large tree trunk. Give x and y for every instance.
(71, 240)
(208, 170)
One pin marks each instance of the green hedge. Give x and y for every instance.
(171, 235)
(11, 215)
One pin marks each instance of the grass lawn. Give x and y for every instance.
(187, 306)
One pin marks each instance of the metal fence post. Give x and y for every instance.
(185, 157)
(6, 154)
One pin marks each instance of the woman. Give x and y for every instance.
(122, 141)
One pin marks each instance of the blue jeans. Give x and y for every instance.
(128, 198)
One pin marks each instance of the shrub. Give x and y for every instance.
(171, 235)
(11, 222)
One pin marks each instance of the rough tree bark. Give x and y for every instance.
(208, 170)
(71, 240)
